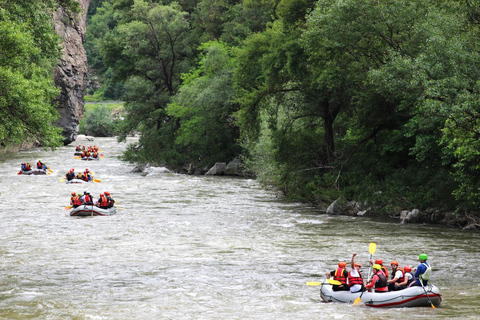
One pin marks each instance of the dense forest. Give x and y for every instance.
(365, 100)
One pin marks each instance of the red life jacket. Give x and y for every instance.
(339, 276)
(76, 201)
(402, 278)
(385, 271)
(381, 285)
(354, 280)
(103, 201)
(87, 199)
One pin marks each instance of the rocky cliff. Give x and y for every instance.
(71, 74)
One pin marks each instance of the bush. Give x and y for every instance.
(100, 122)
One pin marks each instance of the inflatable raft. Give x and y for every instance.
(33, 171)
(410, 297)
(91, 210)
(77, 181)
(90, 158)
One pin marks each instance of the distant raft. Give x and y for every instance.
(89, 158)
(91, 210)
(33, 171)
(409, 297)
(74, 181)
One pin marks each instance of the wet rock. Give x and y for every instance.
(217, 170)
(334, 208)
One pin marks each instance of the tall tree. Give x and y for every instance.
(30, 51)
(204, 107)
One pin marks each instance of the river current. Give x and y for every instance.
(197, 247)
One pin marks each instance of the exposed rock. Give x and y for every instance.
(334, 208)
(217, 170)
(233, 168)
(71, 74)
(82, 137)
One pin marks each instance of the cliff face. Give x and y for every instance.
(71, 73)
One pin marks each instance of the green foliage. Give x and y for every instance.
(203, 108)
(29, 53)
(359, 99)
(100, 122)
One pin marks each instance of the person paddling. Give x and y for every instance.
(407, 280)
(398, 276)
(379, 281)
(355, 280)
(384, 268)
(70, 175)
(341, 274)
(423, 271)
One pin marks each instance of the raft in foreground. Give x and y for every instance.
(91, 210)
(410, 297)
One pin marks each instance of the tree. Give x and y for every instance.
(149, 52)
(204, 106)
(30, 51)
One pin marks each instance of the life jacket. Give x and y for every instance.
(385, 271)
(402, 278)
(354, 280)
(339, 276)
(427, 273)
(76, 201)
(88, 200)
(39, 165)
(103, 201)
(381, 284)
(70, 176)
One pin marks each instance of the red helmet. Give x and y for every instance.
(86, 170)
(342, 264)
(394, 262)
(101, 194)
(72, 170)
(379, 261)
(407, 269)
(357, 264)
(108, 193)
(73, 193)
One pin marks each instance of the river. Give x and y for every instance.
(196, 247)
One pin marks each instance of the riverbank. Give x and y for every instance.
(462, 220)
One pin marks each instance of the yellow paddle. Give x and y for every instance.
(77, 157)
(334, 282)
(372, 248)
(97, 180)
(62, 180)
(68, 207)
(421, 282)
(48, 168)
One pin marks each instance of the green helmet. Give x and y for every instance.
(423, 257)
(377, 267)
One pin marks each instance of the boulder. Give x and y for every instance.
(233, 168)
(334, 208)
(217, 170)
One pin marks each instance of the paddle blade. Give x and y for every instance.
(77, 157)
(20, 172)
(312, 283)
(357, 301)
(372, 248)
(97, 180)
(433, 306)
(68, 207)
(334, 282)
(48, 168)
(63, 180)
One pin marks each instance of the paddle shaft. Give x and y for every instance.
(426, 293)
